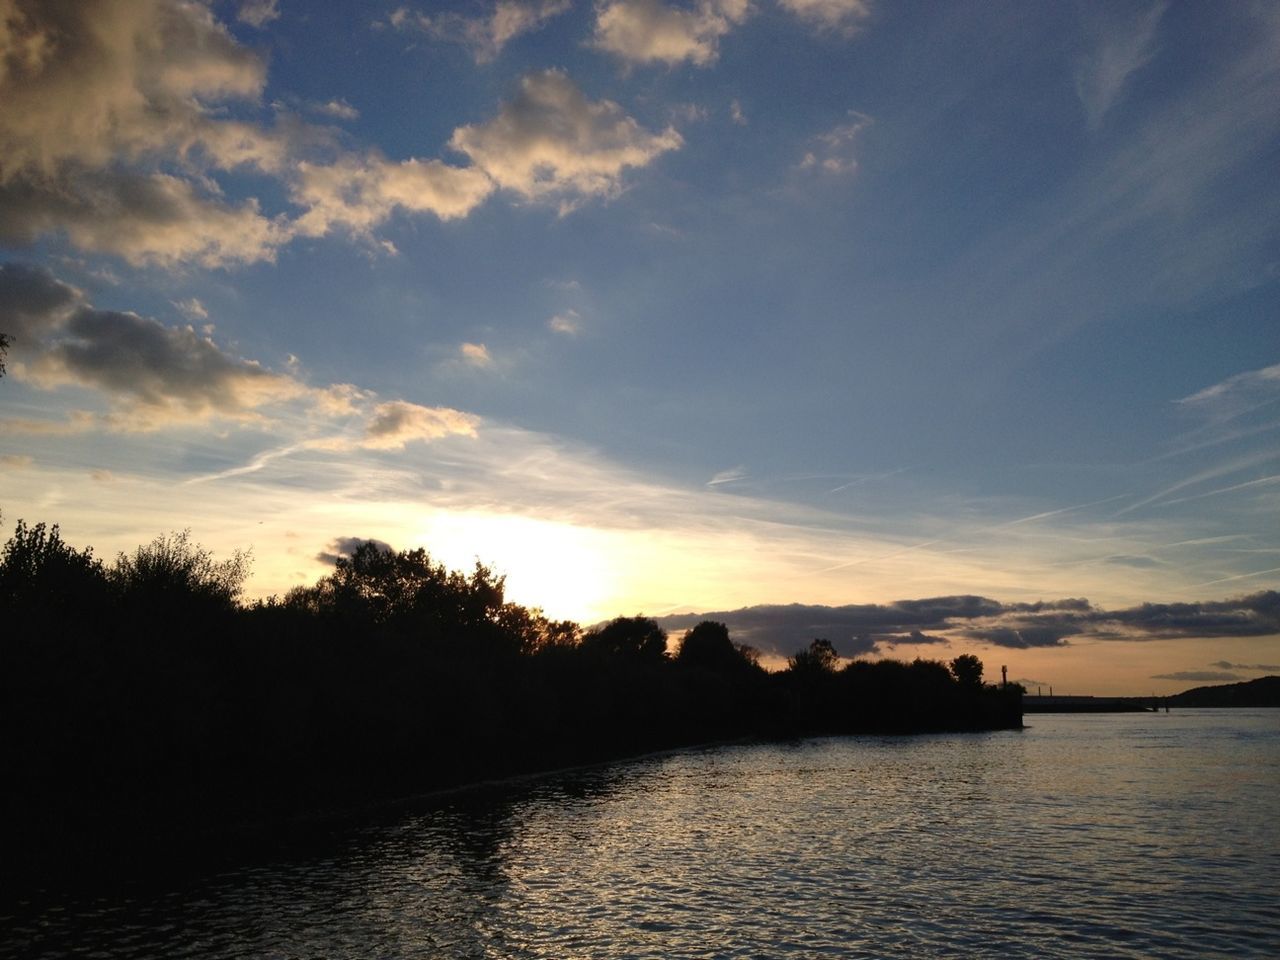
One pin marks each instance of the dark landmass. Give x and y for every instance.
(143, 708)
(1263, 692)
(1052, 704)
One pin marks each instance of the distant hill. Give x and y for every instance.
(1263, 692)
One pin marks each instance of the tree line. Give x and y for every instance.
(144, 694)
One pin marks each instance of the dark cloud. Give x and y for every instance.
(1021, 637)
(1228, 665)
(1198, 675)
(32, 302)
(344, 547)
(1255, 615)
(784, 629)
(912, 638)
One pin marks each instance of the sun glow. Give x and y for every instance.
(564, 569)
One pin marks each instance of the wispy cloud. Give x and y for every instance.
(832, 152)
(843, 16)
(1124, 48)
(484, 36)
(567, 322)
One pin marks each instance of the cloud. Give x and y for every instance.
(736, 114)
(1263, 667)
(338, 108)
(15, 461)
(568, 322)
(832, 152)
(145, 218)
(649, 31)
(155, 369)
(732, 475)
(475, 354)
(32, 302)
(1022, 638)
(155, 374)
(483, 36)
(97, 98)
(342, 548)
(258, 13)
(192, 309)
(784, 629)
(551, 141)
(167, 370)
(1238, 394)
(845, 16)
(1124, 50)
(1197, 675)
(397, 423)
(359, 193)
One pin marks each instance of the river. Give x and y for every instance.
(1121, 835)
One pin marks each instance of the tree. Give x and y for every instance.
(967, 669)
(4, 348)
(629, 636)
(820, 657)
(173, 570)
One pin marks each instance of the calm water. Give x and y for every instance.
(1107, 836)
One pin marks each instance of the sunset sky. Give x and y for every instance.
(852, 311)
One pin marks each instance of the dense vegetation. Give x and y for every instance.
(142, 695)
(1262, 692)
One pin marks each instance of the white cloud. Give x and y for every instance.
(359, 193)
(841, 15)
(551, 141)
(258, 13)
(338, 108)
(832, 152)
(1125, 49)
(650, 31)
(192, 309)
(475, 354)
(567, 322)
(484, 36)
(1243, 391)
(736, 114)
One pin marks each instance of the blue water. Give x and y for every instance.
(1128, 835)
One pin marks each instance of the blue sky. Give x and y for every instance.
(670, 307)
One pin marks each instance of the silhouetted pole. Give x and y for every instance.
(1004, 677)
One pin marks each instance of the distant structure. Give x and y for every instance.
(1004, 676)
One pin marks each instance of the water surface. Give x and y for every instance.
(1110, 836)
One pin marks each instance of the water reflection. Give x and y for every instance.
(1082, 836)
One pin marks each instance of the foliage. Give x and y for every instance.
(634, 637)
(174, 569)
(967, 669)
(819, 658)
(4, 349)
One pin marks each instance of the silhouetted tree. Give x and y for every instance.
(38, 570)
(820, 657)
(967, 669)
(638, 637)
(173, 569)
(4, 349)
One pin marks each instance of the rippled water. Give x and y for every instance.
(1082, 836)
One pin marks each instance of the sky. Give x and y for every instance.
(928, 328)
